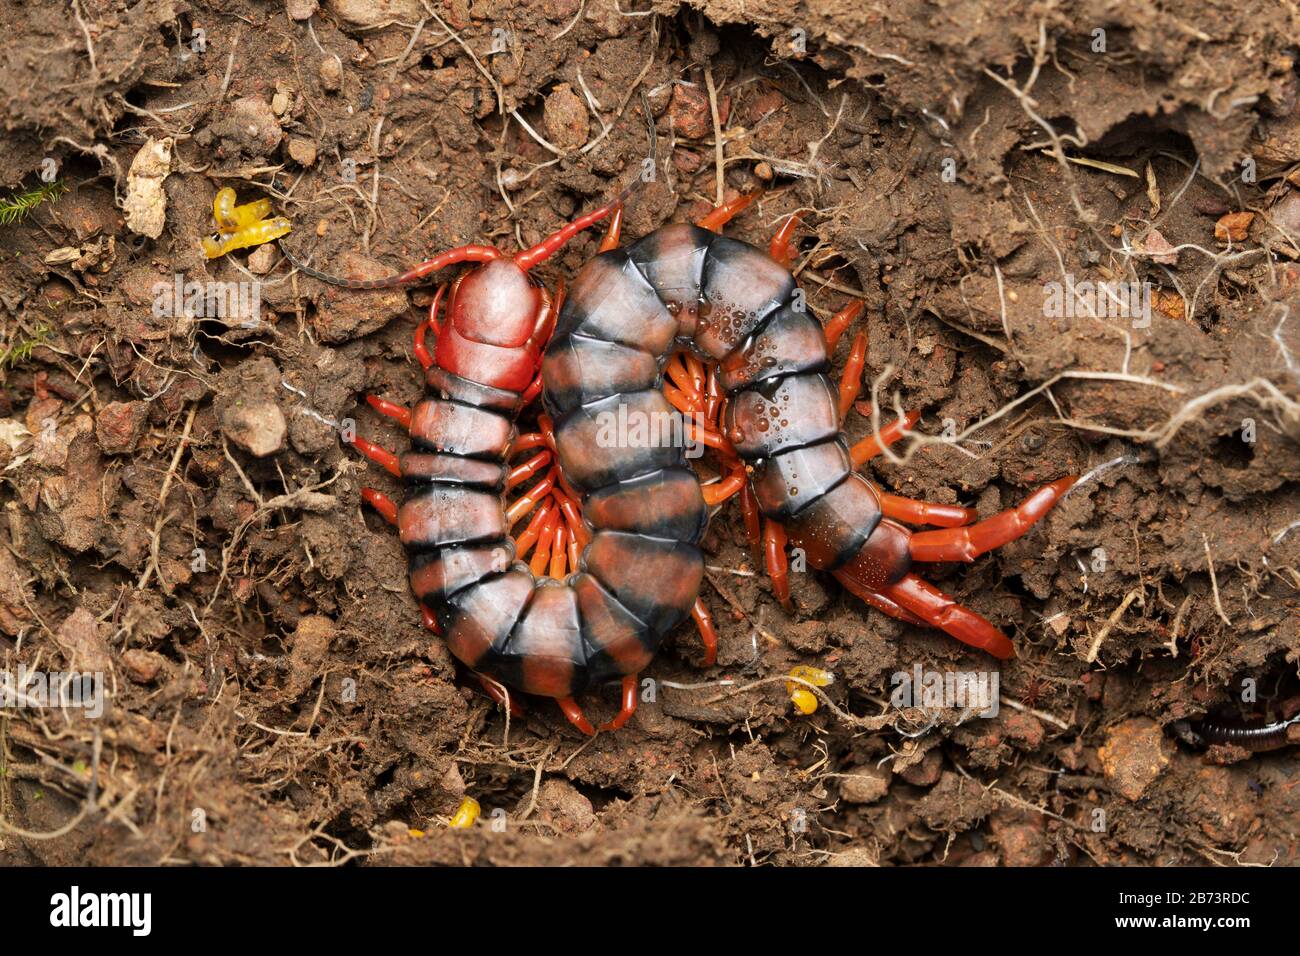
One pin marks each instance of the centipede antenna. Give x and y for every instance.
(305, 269)
(441, 261)
(554, 242)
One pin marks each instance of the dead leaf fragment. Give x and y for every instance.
(146, 203)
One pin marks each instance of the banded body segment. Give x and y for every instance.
(448, 426)
(611, 301)
(742, 286)
(783, 414)
(434, 516)
(544, 652)
(625, 436)
(672, 260)
(655, 580)
(665, 504)
(579, 370)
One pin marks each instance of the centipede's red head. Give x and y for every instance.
(495, 324)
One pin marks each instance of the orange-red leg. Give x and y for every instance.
(920, 597)
(381, 503)
(718, 492)
(782, 246)
(521, 473)
(379, 456)
(418, 345)
(925, 512)
(430, 621)
(397, 412)
(778, 567)
(451, 257)
(613, 230)
(721, 215)
(873, 445)
(968, 543)
(530, 501)
(840, 322)
(851, 380)
(629, 699)
(569, 707)
(525, 542)
(708, 632)
(882, 603)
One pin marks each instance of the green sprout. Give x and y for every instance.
(14, 208)
(10, 357)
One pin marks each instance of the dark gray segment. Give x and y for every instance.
(787, 483)
(434, 516)
(422, 468)
(791, 412)
(610, 300)
(449, 426)
(449, 385)
(578, 370)
(545, 653)
(742, 286)
(656, 581)
(836, 526)
(437, 575)
(616, 642)
(665, 504)
(623, 436)
(790, 341)
(672, 260)
(494, 605)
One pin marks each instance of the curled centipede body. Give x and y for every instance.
(685, 320)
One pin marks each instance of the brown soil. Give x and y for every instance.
(279, 702)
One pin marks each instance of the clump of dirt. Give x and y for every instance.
(1076, 232)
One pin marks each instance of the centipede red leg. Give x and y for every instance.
(380, 456)
(851, 380)
(840, 322)
(925, 512)
(556, 240)
(613, 230)
(968, 543)
(921, 598)
(721, 215)
(569, 707)
(430, 621)
(781, 247)
(873, 445)
(381, 503)
(778, 566)
(629, 699)
(396, 412)
(418, 345)
(708, 632)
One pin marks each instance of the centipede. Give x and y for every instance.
(566, 570)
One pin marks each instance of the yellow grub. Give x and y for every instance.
(242, 227)
(465, 815)
(804, 700)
